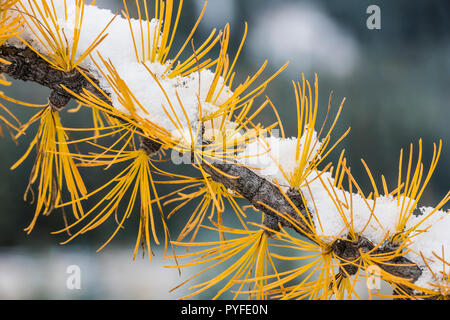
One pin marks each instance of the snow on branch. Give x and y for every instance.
(129, 74)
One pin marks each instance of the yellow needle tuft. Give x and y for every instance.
(246, 256)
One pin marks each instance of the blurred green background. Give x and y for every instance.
(396, 81)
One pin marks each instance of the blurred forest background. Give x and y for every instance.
(396, 81)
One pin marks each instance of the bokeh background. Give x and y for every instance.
(396, 81)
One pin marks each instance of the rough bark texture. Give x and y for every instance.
(28, 66)
(262, 194)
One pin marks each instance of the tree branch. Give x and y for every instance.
(26, 65)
